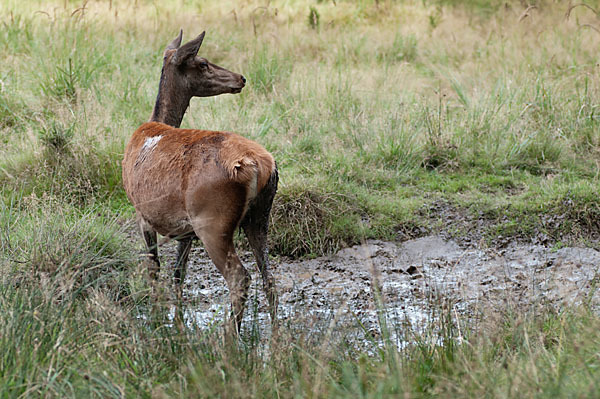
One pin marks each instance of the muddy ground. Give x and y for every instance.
(417, 278)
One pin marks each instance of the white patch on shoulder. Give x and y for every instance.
(150, 143)
(147, 148)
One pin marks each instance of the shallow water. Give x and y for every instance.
(416, 279)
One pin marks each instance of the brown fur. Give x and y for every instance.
(161, 181)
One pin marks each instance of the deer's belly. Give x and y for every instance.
(170, 228)
(166, 214)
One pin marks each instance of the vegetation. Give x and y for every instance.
(376, 111)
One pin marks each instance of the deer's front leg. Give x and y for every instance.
(151, 240)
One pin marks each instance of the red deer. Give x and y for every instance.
(187, 184)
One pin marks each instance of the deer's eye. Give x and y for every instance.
(203, 64)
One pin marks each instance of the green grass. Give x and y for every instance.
(382, 116)
(75, 321)
(349, 111)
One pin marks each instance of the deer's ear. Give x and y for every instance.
(188, 50)
(174, 45)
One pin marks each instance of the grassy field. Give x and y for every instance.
(388, 120)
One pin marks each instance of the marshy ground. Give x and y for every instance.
(408, 282)
(442, 153)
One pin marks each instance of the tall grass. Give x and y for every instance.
(75, 321)
(375, 112)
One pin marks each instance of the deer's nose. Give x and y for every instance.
(243, 79)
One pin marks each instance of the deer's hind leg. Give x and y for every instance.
(215, 226)
(256, 226)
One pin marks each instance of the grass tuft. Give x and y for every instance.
(310, 223)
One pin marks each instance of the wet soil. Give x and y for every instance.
(416, 279)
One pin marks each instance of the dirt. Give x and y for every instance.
(338, 294)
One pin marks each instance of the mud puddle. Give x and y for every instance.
(338, 294)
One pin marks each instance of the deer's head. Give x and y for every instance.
(195, 76)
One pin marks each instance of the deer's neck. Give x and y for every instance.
(171, 103)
